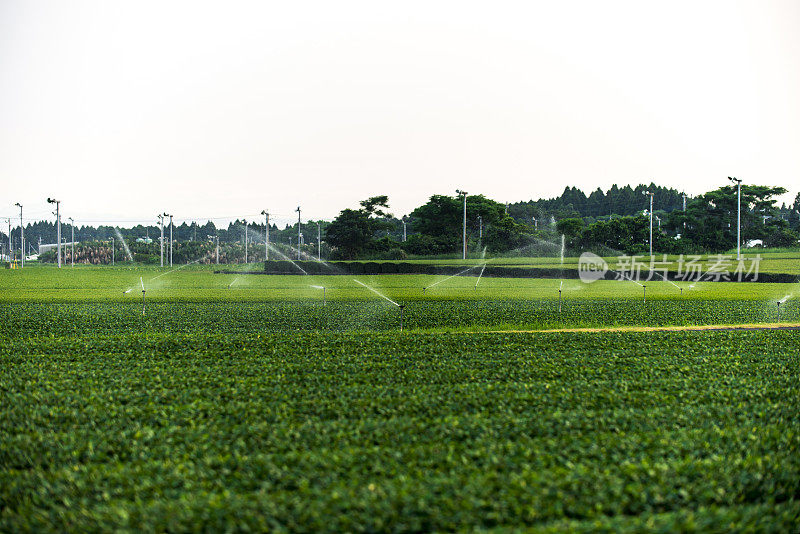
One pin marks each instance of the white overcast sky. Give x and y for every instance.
(123, 110)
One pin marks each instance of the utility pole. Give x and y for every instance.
(738, 217)
(72, 242)
(404, 228)
(113, 259)
(265, 213)
(319, 242)
(9, 241)
(161, 220)
(170, 240)
(298, 233)
(21, 235)
(464, 226)
(651, 220)
(58, 228)
(245, 240)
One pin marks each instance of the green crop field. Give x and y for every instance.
(249, 403)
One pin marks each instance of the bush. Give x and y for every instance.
(397, 253)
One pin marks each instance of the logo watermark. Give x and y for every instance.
(687, 268)
(591, 267)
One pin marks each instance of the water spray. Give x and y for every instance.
(452, 276)
(143, 302)
(479, 276)
(323, 293)
(381, 295)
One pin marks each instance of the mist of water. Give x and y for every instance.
(381, 295)
(124, 244)
(454, 275)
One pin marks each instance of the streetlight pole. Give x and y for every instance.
(265, 213)
(404, 229)
(161, 220)
(651, 219)
(684, 211)
(298, 233)
(58, 227)
(72, 241)
(738, 183)
(21, 234)
(170, 237)
(464, 225)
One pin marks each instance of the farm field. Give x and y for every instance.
(770, 262)
(388, 432)
(247, 402)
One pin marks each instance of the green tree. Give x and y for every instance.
(353, 232)
(441, 219)
(710, 219)
(570, 227)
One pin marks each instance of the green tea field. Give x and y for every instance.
(267, 403)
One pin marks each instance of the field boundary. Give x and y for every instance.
(685, 328)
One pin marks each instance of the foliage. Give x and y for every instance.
(354, 231)
(383, 432)
(710, 220)
(574, 203)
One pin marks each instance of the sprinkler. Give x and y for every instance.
(681, 290)
(779, 310)
(644, 293)
(142, 281)
(559, 296)
(323, 293)
(401, 306)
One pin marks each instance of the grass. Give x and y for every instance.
(198, 283)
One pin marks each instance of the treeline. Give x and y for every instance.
(619, 201)
(708, 224)
(613, 221)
